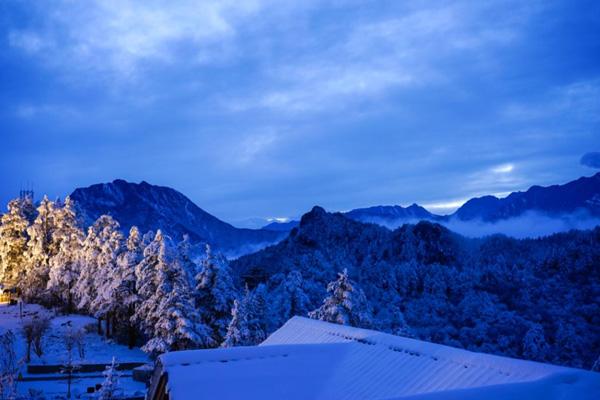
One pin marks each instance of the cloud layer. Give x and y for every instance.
(591, 160)
(265, 107)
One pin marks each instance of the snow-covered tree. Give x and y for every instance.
(177, 325)
(290, 298)
(28, 208)
(237, 330)
(111, 388)
(156, 253)
(535, 346)
(40, 249)
(9, 366)
(184, 250)
(64, 265)
(107, 277)
(215, 293)
(261, 311)
(86, 285)
(596, 365)
(346, 304)
(247, 325)
(126, 293)
(13, 245)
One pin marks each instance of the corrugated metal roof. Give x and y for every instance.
(308, 359)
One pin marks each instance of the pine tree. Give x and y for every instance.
(107, 278)
(246, 325)
(345, 305)
(178, 325)
(64, 265)
(86, 287)
(596, 366)
(256, 307)
(13, 244)
(261, 309)
(127, 296)
(110, 389)
(290, 298)
(40, 249)
(237, 330)
(184, 255)
(535, 346)
(215, 293)
(156, 253)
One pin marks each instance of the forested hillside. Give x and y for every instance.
(536, 299)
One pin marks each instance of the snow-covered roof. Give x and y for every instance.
(308, 359)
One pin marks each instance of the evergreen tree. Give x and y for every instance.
(111, 389)
(40, 249)
(127, 297)
(13, 244)
(64, 265)
(107, 278)
(184, 250)
(86, 287)
(215, 293)
(290, 298)
(261, 309)
(535, 346)
(156, 253)
(345, 305)
(596, 365)
(246, 325)
(178, 325)
(237, 330)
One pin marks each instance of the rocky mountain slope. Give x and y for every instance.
(152, 207)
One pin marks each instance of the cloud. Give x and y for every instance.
(503, 169)
(300, 68)
(444, 207)
(591, 160)
(529, 225)
(578, 100)
(29, 42)
(373, 57)
(119, 36)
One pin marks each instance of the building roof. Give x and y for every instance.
(308, 359)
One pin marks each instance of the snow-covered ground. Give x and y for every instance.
(97, 351)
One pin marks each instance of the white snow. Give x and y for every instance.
(97, 351)
(308, 359)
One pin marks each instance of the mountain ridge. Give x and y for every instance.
(152, 207)
(582, 194)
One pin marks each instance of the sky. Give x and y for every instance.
(264, 108)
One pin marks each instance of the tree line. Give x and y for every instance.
(146, 289)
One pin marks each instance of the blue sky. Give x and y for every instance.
(263, 108)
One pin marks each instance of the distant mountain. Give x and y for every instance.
(281, 226)
(579, 196)
(152, 207)
(582, 194)
(381, 215)
(384, 214)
